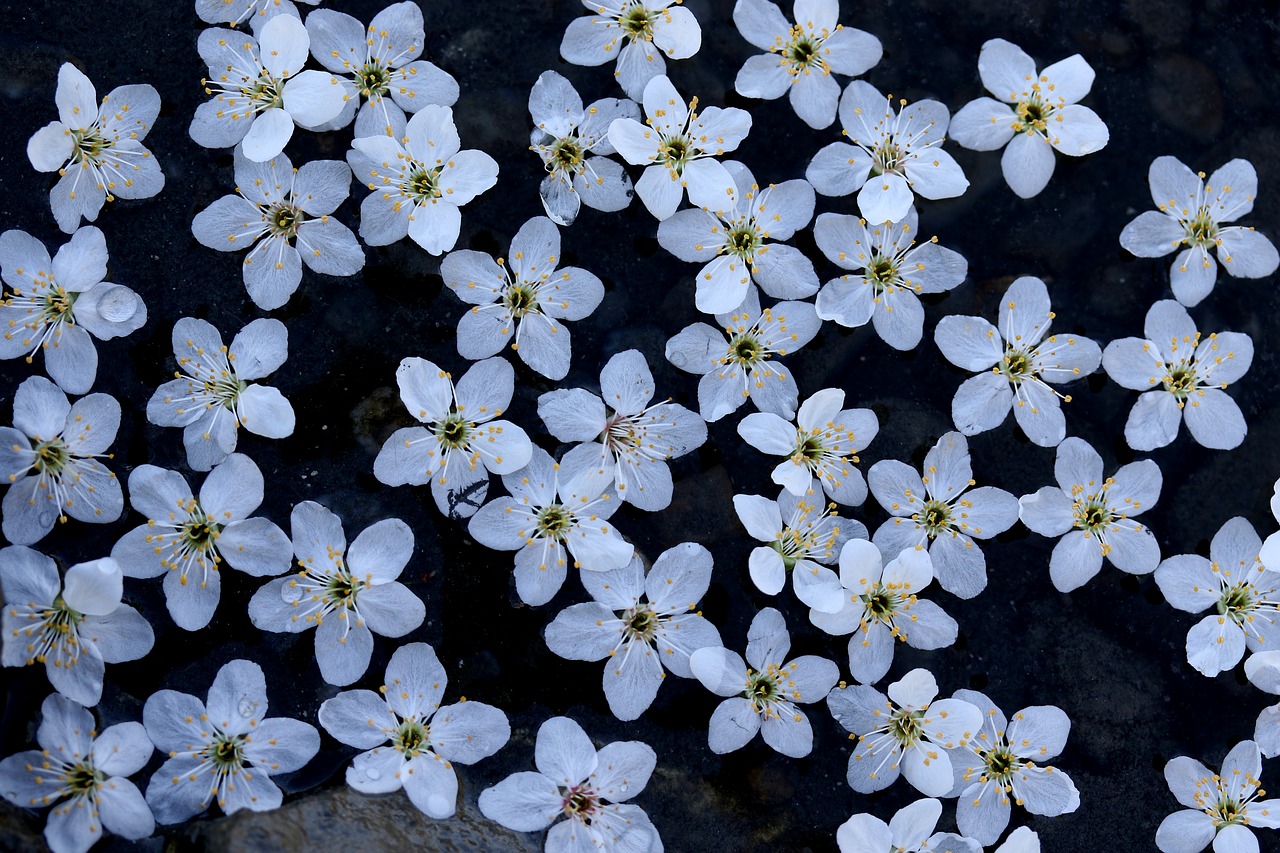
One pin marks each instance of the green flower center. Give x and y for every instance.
(1180, 381)
(637, 22)
(341, 589)
(762, 688)
(88, 144)
(1033, 115)
(520, 299)
(198, 532)
(454, 431)
(1001, 764)
(906, 727)
(641, 622)
(1092, 515)
(1016, 365)
(554, 522)
(810, 450)
(412, 738)
(743, 241)
(934, 517)
(1228, 813)
(675, 151)
(52, 456)
(1202, 231)
(802, 51)
(374, 79)
(83, 779)
(422, 185)
(566, 154)
(1236, 602)
(226, 752)
(58, 305)
(886, 159)
(745, 349)
(882, 273)
(284, 219)
(266, 92)
(881, 603)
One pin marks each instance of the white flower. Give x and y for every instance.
(58, 307)
(419, 181)
(1003, 762)
(912, 739)
(649, 29)
(910, 831)
(731, 238)
(737, 363)
(1044, 115)
(543, 516)
(411, 741)
(72, 627)
(96, 148)
(461, 441)
(1180, 373)
(1018, 362)
(379, 65)
(525, 296)
(1094, 515)
(802, 57)
(573, 144)
(217, 396)
(625, 449)
(1220, 807)
(222, 750)
(802, 539)
(82, 774)
(879, 604)
(677, 145)
(1242, 590)
(187, 539)
(346, 594)
(822, 445)
(937, 511)
(641, 624)
(50, 459)
(256, 12)
(587, 787)
(1194, 214)
(889, 270)
(1021, 840)
(284, 206)
(893, 156)
(763, 698)
(260, 90)
(1263, 671)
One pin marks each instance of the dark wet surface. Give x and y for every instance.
(1192, 80)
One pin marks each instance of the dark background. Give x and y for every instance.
(1192, 79)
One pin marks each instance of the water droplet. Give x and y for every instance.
(373, 773)
(247, 708)
(117, 304)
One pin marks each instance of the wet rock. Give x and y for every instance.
(1186, 96)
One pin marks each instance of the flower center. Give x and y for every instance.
(905, 726)
(226, 752)
(566, 154)
(809, 450)
(762, 688)
(1202, 231)
(52, 456)
(934, 517)
(1092, 515)
(1016, 365)
(802, 52)
(373, 79)
(1237, 602)
(887, 159)
(880, 603)
(554, 522)
(637, 22)
(83, 779)
(1001, 764)
(453, 431)
(641, 622)
(341, 589)
(412, 738)
(1033, 115)
(743, 241)
(422, 185)
(579, 803)
(198, 532)
(745, 349)
(675, 151)
(882, 273)
(266, 92)
(284, 219)
(520, 299)
(1228, 812)
(58, 306)
(88, 145)
(1180, 381)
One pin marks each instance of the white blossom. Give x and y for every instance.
(187, 539)
(73, 626)
(821, 446)
(639, 624)
(279, 206)
(891, 156)
(260, 90)
(83, 774)
(410, 740)
(910, 831)
(939, 511)
(738, 363)
(801, 57)
(731, 238)
(96, 148)
(218, 396)
(223, 749)
(764, 690)
(1180, 373)
(1262, 668)
(589, 788)
(1242, 589)
(379, 68)
(574, 146)
(906, 733)
(648, 29)
(463, 440)
(50, 459)
(1093, 515)
(57, 307)
(525, 296)
(802, 538)
(1004, 762)
(625, 439)
(346, 594)
(1018, 363)
(256, 12)
(542, 518)
(677, 145)
(1221, 807)
(419, 181)
(1193, 214)
(880, 604)
(887, 272)
(1045, 115)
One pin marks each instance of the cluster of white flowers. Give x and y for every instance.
(616, 447)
